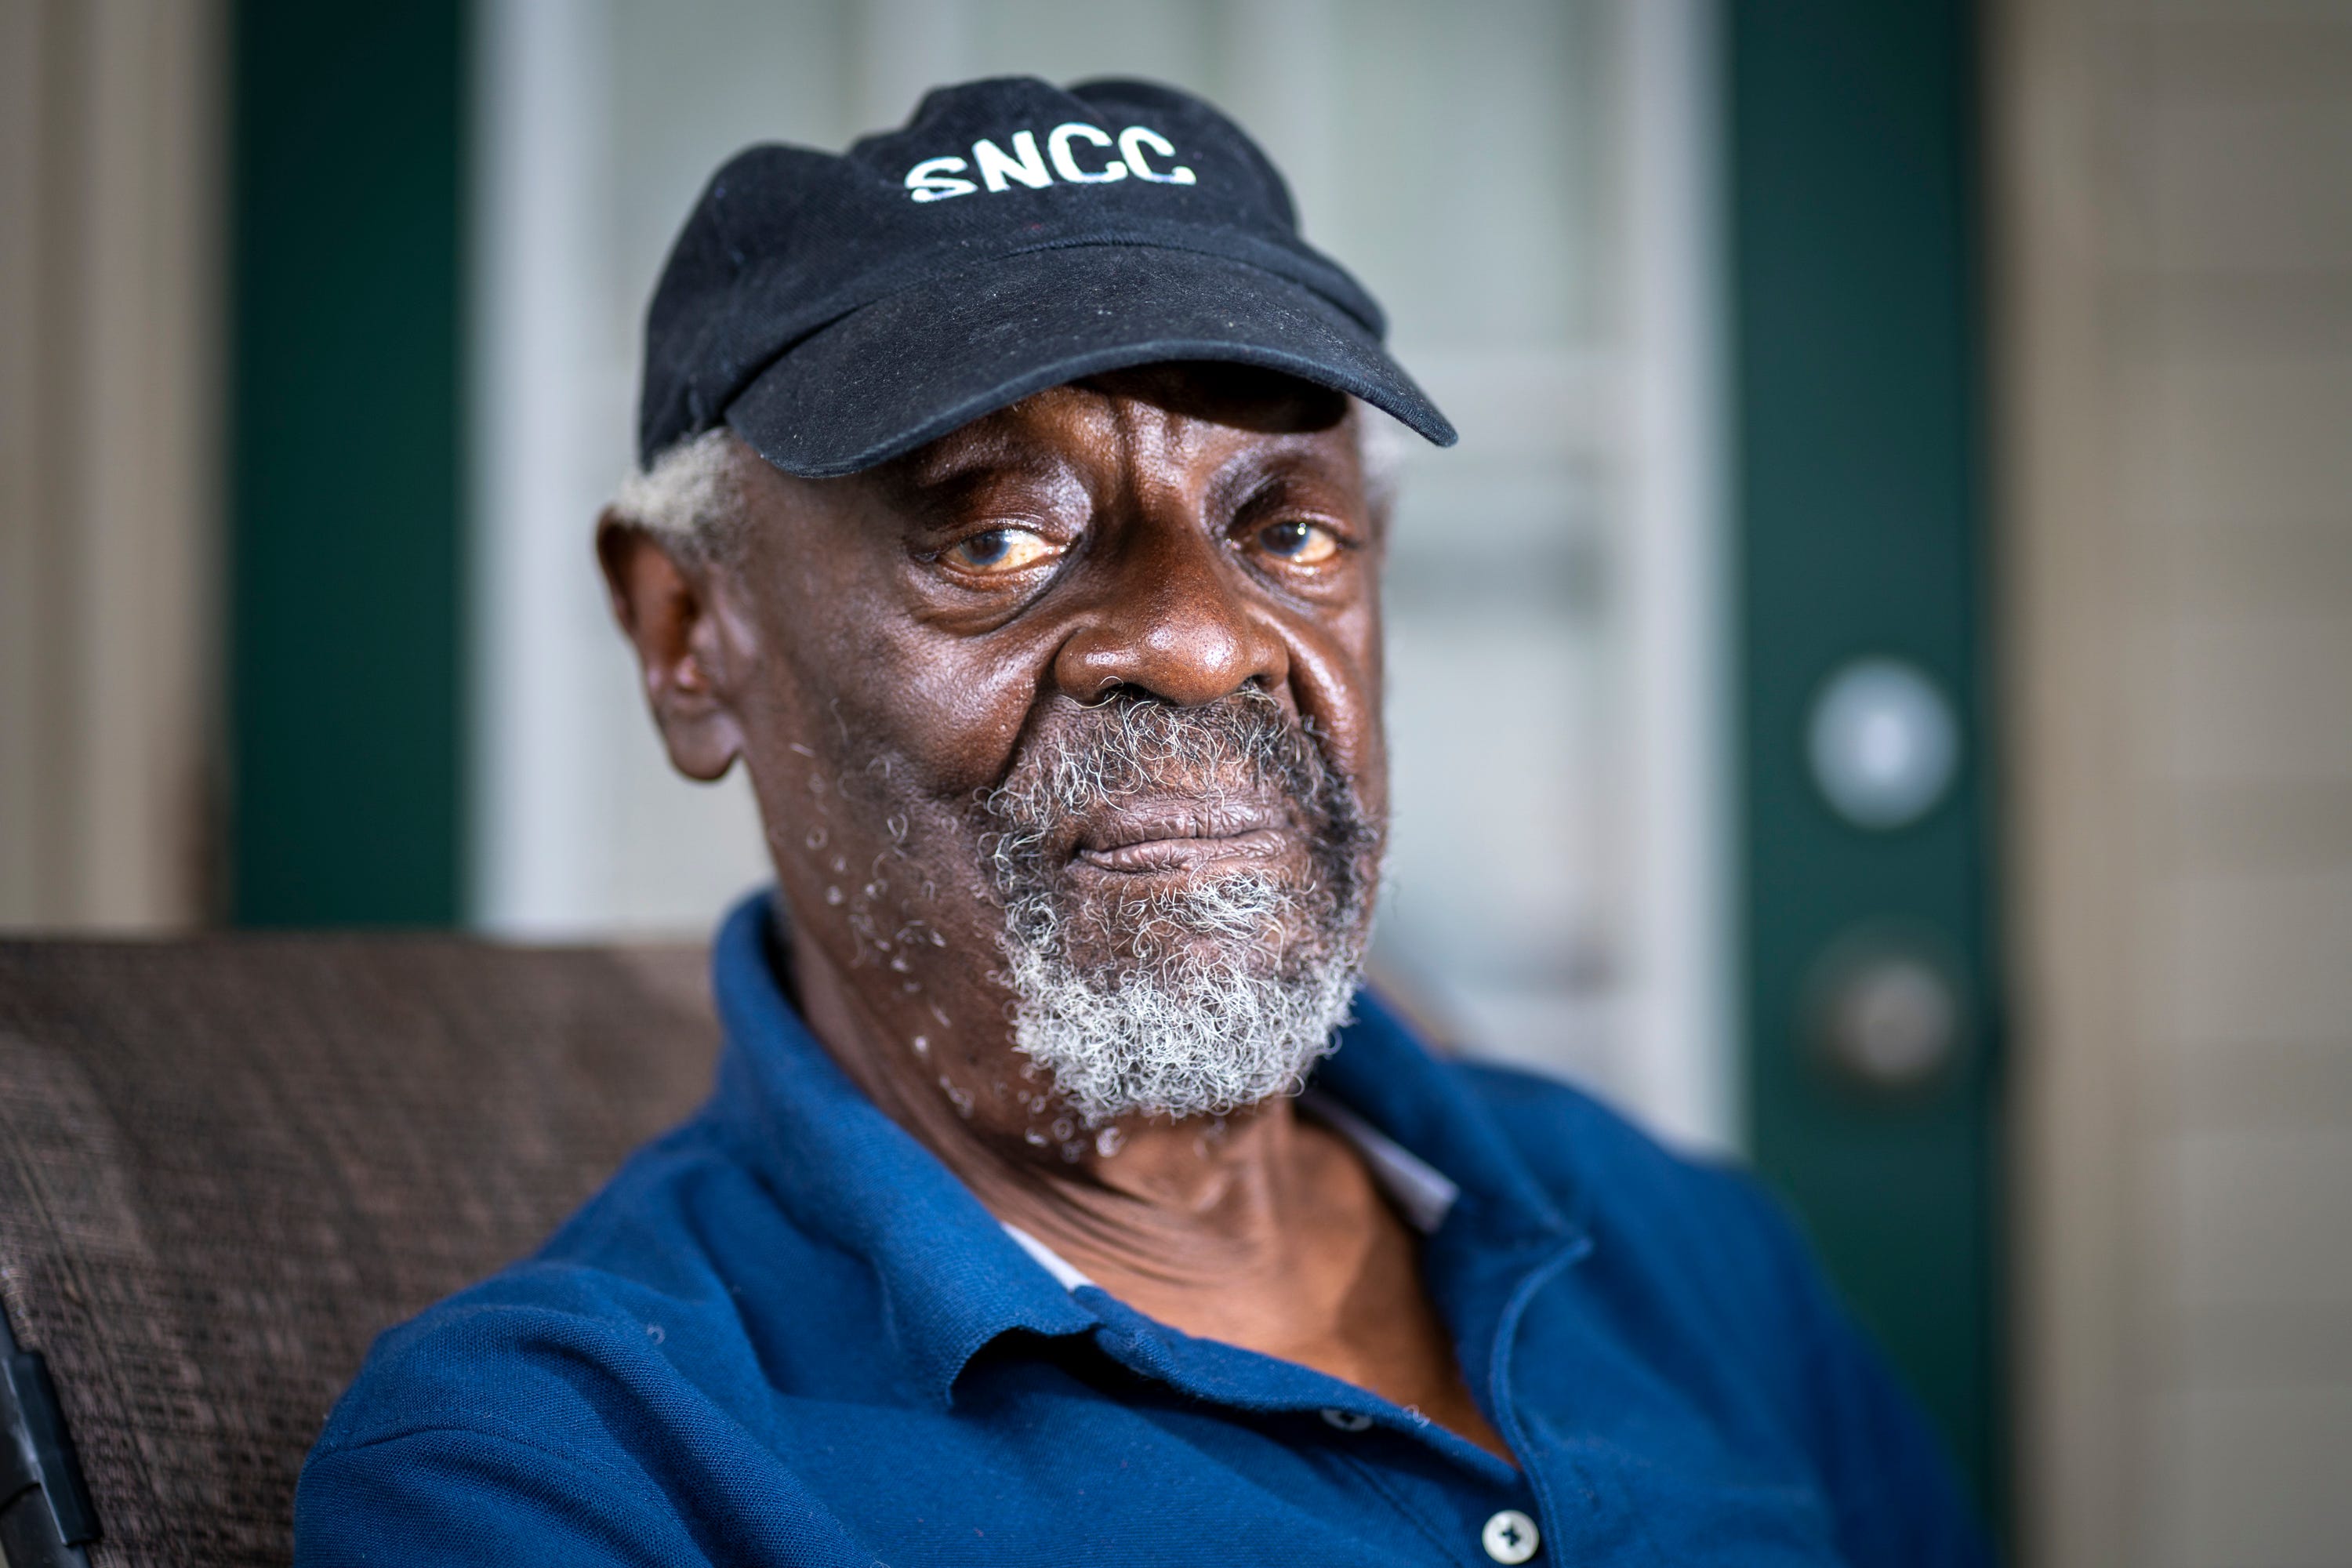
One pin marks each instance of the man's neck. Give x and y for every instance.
(1259, 1230)
(1205, 1201)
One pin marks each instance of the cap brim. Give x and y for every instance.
(910, 367)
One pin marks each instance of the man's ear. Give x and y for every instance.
(666, 608)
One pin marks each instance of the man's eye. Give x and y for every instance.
(999, 550)
(1298, 543)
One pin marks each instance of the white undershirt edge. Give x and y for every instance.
(1420, 1193)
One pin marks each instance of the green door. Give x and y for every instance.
(1871, 1018)
(345, 589)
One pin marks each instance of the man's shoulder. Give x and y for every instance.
(570, 1406)
(1599, 1169)
(1699, 1270)
(1573, 1139)
(1691, 1219)
(649, 1256)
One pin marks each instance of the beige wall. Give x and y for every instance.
(110, 200)
(2174, 202)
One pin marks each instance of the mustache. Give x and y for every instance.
(1086, 759)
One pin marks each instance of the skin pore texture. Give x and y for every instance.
(1081, 697)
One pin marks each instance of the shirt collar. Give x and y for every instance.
(1424, 1195)
(846, 1172)
(1383, 1080)
(955, 1278)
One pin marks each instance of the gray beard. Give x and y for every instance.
(1199, 1001)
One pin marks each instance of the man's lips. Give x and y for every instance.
(1171, 836)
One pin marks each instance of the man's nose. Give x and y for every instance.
(1173, 618)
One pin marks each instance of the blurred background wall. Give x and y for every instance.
(1873, 691)
(111, 207)
(2175, 400)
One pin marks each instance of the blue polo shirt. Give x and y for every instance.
(785, 1333)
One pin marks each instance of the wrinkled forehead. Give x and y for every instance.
(1178, 404)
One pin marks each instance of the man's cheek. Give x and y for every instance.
(954, 730)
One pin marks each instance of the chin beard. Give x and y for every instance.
(1196, 1000)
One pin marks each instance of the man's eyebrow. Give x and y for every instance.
(1259, 470)
(947, 490)
(957, 464)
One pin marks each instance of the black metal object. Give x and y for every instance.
(46, 1517)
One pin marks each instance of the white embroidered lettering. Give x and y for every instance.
(1131, 143)
(937, 179)
(933, 180)
(1057, 147)
(995, 168)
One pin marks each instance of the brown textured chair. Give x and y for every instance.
(227, 1164)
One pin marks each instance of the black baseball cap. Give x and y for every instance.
(838, 310)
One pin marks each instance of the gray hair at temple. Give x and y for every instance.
(691, 498)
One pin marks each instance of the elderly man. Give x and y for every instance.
(1005, 509)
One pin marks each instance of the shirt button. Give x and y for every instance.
(1347, 1420)
(1510, 1537)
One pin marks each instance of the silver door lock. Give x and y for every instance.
(1884, 1012)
